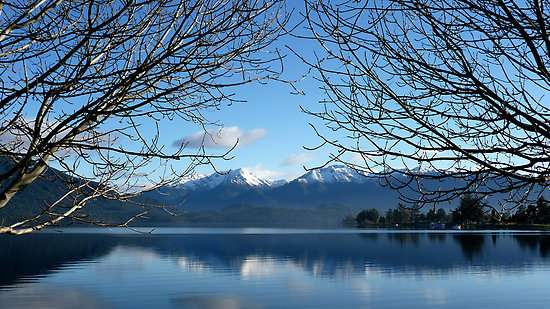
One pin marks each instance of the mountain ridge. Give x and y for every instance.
(246, 176)
(318, 197)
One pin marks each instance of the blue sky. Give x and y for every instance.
(271, 127)
(269, 124)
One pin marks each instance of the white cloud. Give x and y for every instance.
(222, 138)
(297, 159)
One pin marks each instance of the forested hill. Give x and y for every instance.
(317, 198)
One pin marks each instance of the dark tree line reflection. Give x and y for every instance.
(471, 244)
(536, 243)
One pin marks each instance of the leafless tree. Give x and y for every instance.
(457, 87)
(86, 85)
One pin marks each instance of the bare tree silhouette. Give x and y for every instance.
(457, 87)
(85, 87)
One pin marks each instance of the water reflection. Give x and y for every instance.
(471, 244)
(437, 237)
(321, 254)
(216, 302)
(535, 242)
(33, 296)
(242, 271)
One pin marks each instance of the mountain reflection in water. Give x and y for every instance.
(258, 270)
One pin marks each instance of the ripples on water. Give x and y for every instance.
(230, 268)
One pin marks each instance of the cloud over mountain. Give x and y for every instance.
(221, 138)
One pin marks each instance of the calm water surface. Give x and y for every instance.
(251, 268)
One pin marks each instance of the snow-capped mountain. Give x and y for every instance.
(278, 183)
(418, 170)
(323, 187)
(332, 174)
(239, 177)
(192, 177)
(246, 177)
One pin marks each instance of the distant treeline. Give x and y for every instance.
(472, 210)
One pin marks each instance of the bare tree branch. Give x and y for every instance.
(458, 88)
(86, 85)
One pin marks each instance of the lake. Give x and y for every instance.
(271, 268)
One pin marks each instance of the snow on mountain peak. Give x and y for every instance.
(245, 176)
(192, 177)
(241, 176)
(332, 174)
